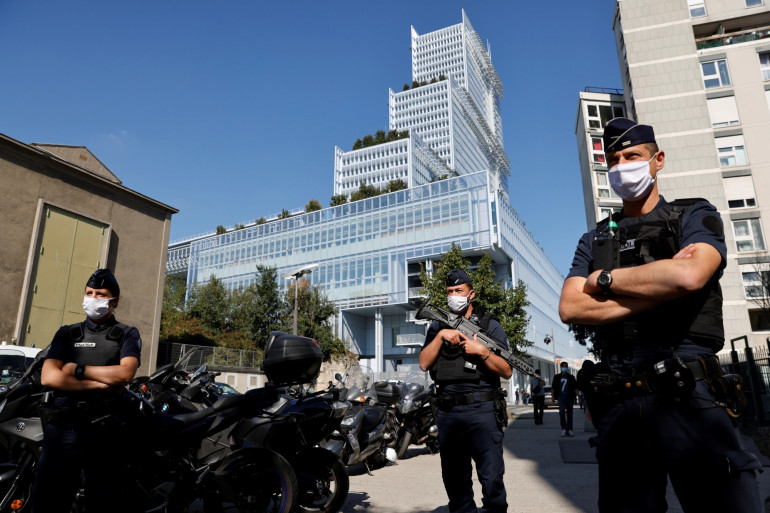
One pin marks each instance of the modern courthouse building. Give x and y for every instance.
(698, 71)
(369, 252)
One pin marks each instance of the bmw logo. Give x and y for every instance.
(164, 407)
(20, 426)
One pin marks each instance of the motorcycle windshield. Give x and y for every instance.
(414, 387)
(358, 380)
(17, 363)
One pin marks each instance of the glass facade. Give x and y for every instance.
(361, 247)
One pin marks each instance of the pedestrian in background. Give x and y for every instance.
(537, 385)
(564, 390)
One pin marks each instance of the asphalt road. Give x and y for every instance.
(543, 472)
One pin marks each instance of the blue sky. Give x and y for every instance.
(230, 110)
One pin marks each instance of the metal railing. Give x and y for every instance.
(753, 364)
(219, 357)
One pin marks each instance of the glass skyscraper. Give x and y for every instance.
(369, 252)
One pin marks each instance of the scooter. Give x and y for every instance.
(367, 434)
(415, 414)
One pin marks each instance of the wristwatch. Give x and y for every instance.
(604, 281)
(80, 369)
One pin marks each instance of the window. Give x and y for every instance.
(731, 151)
(607, 212)
(723, 111)
(715, 74)
(748, 235)
(739, 191)
(760, 320)
(598, 115)
(753, 3)
(756, 283)
(764, 65)
(697, 8)
(597, 149)
(603, 189)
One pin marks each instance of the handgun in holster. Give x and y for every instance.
(501, 408)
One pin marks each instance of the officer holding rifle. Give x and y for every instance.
(646, 281)
(467, 375)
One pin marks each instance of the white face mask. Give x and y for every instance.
(458, 304)
(95, 307)
(631, 181)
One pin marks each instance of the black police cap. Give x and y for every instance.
(621, 133)
(457, 277)
(104, 279)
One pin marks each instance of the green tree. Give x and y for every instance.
(313, 205)
(396, 185)
(314, 318)
(271, 304)
(338, 199)
(507, 305)
(379, 137)
(261, 220)
(239, 227)
(365, 191)
(358, 144)
(433, 80)
(284, 214)
(392, 135)
(406, 87)
(210, 303)
(415, 84)
(442, 77)
(221, 229)
(404, 134)
(368, 140)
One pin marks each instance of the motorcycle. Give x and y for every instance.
(21, 431)
(415, 414)
(292, 425)
(367, 433)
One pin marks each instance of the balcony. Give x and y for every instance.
(733, 38)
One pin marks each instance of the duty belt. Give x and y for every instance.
(467, 398)
(667, 375)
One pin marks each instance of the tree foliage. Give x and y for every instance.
(221, 229)
(508, 305)
(364, 191)
(313, 205)
(285, 214)
(338, 199)
(395, 185)
(243, 318)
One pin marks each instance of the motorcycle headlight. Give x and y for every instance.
(408, 405)
(348, 422)
(339, 408)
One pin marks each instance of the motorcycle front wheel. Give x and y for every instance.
(323, 481)
(404, 440)
(266, 484)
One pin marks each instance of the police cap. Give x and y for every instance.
(457, 277)
(621, 133)
(104, 279)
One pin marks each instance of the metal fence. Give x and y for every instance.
(753, 364)
(210, 356)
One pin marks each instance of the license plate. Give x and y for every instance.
(353, 441)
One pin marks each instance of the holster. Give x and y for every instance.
(501, 408)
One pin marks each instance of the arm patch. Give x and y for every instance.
(713, 224)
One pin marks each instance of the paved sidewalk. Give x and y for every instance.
(536, 475)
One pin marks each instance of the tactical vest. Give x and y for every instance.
(697, 316)
(453, 366)
(91, 347)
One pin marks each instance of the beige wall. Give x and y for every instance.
(135, 251)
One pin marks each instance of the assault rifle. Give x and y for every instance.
(469, 328)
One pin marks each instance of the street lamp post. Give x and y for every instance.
(297, 275)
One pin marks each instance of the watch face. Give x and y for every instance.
(604, 279)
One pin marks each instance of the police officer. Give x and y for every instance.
(467, 376)
(537, 395)
(87, 365)
(647, 281)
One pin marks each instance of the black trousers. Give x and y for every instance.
(566, 411)
(539, 402)
(642, 441)
(68, 449)
(470, 432)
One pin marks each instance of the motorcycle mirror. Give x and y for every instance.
(338, 376)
